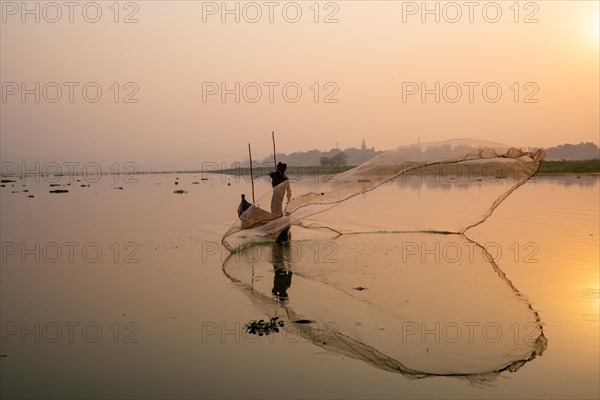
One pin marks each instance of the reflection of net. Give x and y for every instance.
(457, 163)
(452, 313)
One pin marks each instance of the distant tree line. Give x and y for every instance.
(333, 157)
(336, 161)
(567, 151)
(354, 156)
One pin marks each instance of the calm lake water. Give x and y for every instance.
(119, 289)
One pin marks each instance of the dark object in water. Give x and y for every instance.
(119, 188)
(55, 184)
(59, 191)
(303, 321)
(244, 205)
(263, 327)
(360, 288)
(7, 181)
(180, 191)
(30, 196)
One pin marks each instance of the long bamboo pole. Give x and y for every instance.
(274, 158)
(251, 173)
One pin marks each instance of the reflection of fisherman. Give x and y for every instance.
(283, 276)
(281, 186)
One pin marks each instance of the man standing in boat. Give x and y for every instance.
(281, 187)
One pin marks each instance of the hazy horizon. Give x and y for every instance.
(361, 67)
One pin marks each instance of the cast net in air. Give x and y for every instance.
(445, 187)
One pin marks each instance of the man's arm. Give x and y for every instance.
(288, 189)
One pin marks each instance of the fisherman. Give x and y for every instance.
(281, 186)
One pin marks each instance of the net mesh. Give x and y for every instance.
(372, 298)
(461, 163)
(388, 276)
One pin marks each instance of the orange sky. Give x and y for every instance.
(369, 63)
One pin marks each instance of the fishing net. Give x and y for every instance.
(460, 183)
(420, 304)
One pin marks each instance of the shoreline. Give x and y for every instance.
(548, 168)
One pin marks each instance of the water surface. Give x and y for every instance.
(171, 324)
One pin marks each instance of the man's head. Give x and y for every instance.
(281, 166)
